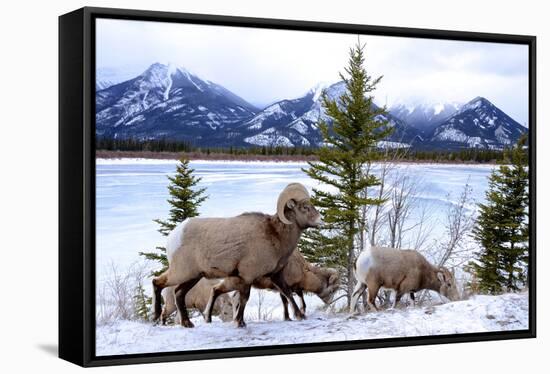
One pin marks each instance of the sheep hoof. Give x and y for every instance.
(187, 324)
(241, 324)
(300, 317)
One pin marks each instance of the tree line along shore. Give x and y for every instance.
(280, 154)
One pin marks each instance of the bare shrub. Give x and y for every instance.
(263, 312)
(115, 297)
(455, 248)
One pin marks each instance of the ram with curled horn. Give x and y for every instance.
(238, 250)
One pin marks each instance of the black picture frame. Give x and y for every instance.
(77, 184)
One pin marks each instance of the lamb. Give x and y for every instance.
(404, 271)
(197, 298)
(239, 249)
(302, 276)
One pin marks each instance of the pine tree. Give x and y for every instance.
(349, 145)
(502, 228)
(185, 199)
(142, 303)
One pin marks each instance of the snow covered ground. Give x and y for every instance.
(478, 314)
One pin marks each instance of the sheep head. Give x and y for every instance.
(295, 198)
(332, 281)
(447, 284)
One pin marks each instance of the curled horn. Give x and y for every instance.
(294, 191)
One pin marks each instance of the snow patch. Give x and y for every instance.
(269, 140)
(190, 78)
(501, 135)
(386, 144)
(479, 314)
(138, 118)
(299, 126)
(472, 105)
(438, 108)
(171, 70)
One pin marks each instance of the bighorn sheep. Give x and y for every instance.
(301, 276)
(239, 249)
(197, 298)
(404, 271)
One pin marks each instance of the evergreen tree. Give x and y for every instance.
(142, 303)
(502, 226)
(185, 199)
(349, 145)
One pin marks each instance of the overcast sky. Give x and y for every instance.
(263, 66)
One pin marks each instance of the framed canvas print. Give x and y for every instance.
(236, 186)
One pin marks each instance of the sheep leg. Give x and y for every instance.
(364, 298)
(300, 294)
(285, 290)
(169, 306)
(285, 307)
(235, 303)
(227, 285)
(244, 294)
(412, 298)
(357, 292)
(159, 283)
(398, 296)
(180, 293)
(371, 299)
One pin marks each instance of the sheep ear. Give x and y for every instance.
(441, 276)
(291, 203)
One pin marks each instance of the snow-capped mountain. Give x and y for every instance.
(295, 122)
(424, 116)
(169, 102)
(477, 124)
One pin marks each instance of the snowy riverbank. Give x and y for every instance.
(478, 314)
(264, 162)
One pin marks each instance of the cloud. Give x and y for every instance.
(264, 65)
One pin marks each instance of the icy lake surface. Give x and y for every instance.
(131, 193)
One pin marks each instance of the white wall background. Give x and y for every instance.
(28, 198)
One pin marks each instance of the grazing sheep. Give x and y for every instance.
(301, 276)
(239, 249)
(404, 271)
(197, 298)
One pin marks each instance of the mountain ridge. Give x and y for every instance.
(168, 101)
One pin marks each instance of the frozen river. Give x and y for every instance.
(131, 193)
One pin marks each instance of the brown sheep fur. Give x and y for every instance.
(197, 298)
(302, 276)
(405, 271)
(239, 249)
